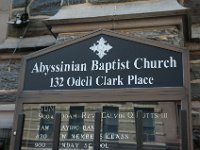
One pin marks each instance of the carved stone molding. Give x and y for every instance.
(108, 1)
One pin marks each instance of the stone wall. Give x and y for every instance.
(168, 35)
(195, 9)
(108, 1)
(9, 76)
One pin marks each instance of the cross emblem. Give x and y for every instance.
(101, 48)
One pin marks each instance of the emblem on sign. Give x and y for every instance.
(101, 48)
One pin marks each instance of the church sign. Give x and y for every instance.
(108, 73)
(104, 61)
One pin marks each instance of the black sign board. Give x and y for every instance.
(104, 61)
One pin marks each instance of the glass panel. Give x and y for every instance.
(110, 124)
(118, 131)
(46, 122)
(76, 122)
(148, 123)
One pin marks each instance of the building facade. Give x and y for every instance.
(55, 22)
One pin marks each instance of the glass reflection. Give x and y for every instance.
(118, 131)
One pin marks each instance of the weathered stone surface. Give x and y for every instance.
(8, 95)
(171, 36)
(166, 35)
(195, 71)
(44, 7)
(35, 28)
(195, 5)
(50, 7)
(64, 38)
(108, 1)
(195, 88)
(19, 3)
(196, 30)
(9, 74)
(195, 9)
(71, 2)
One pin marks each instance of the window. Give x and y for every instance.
(76, 121)
(110, 123)
(148, 123)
